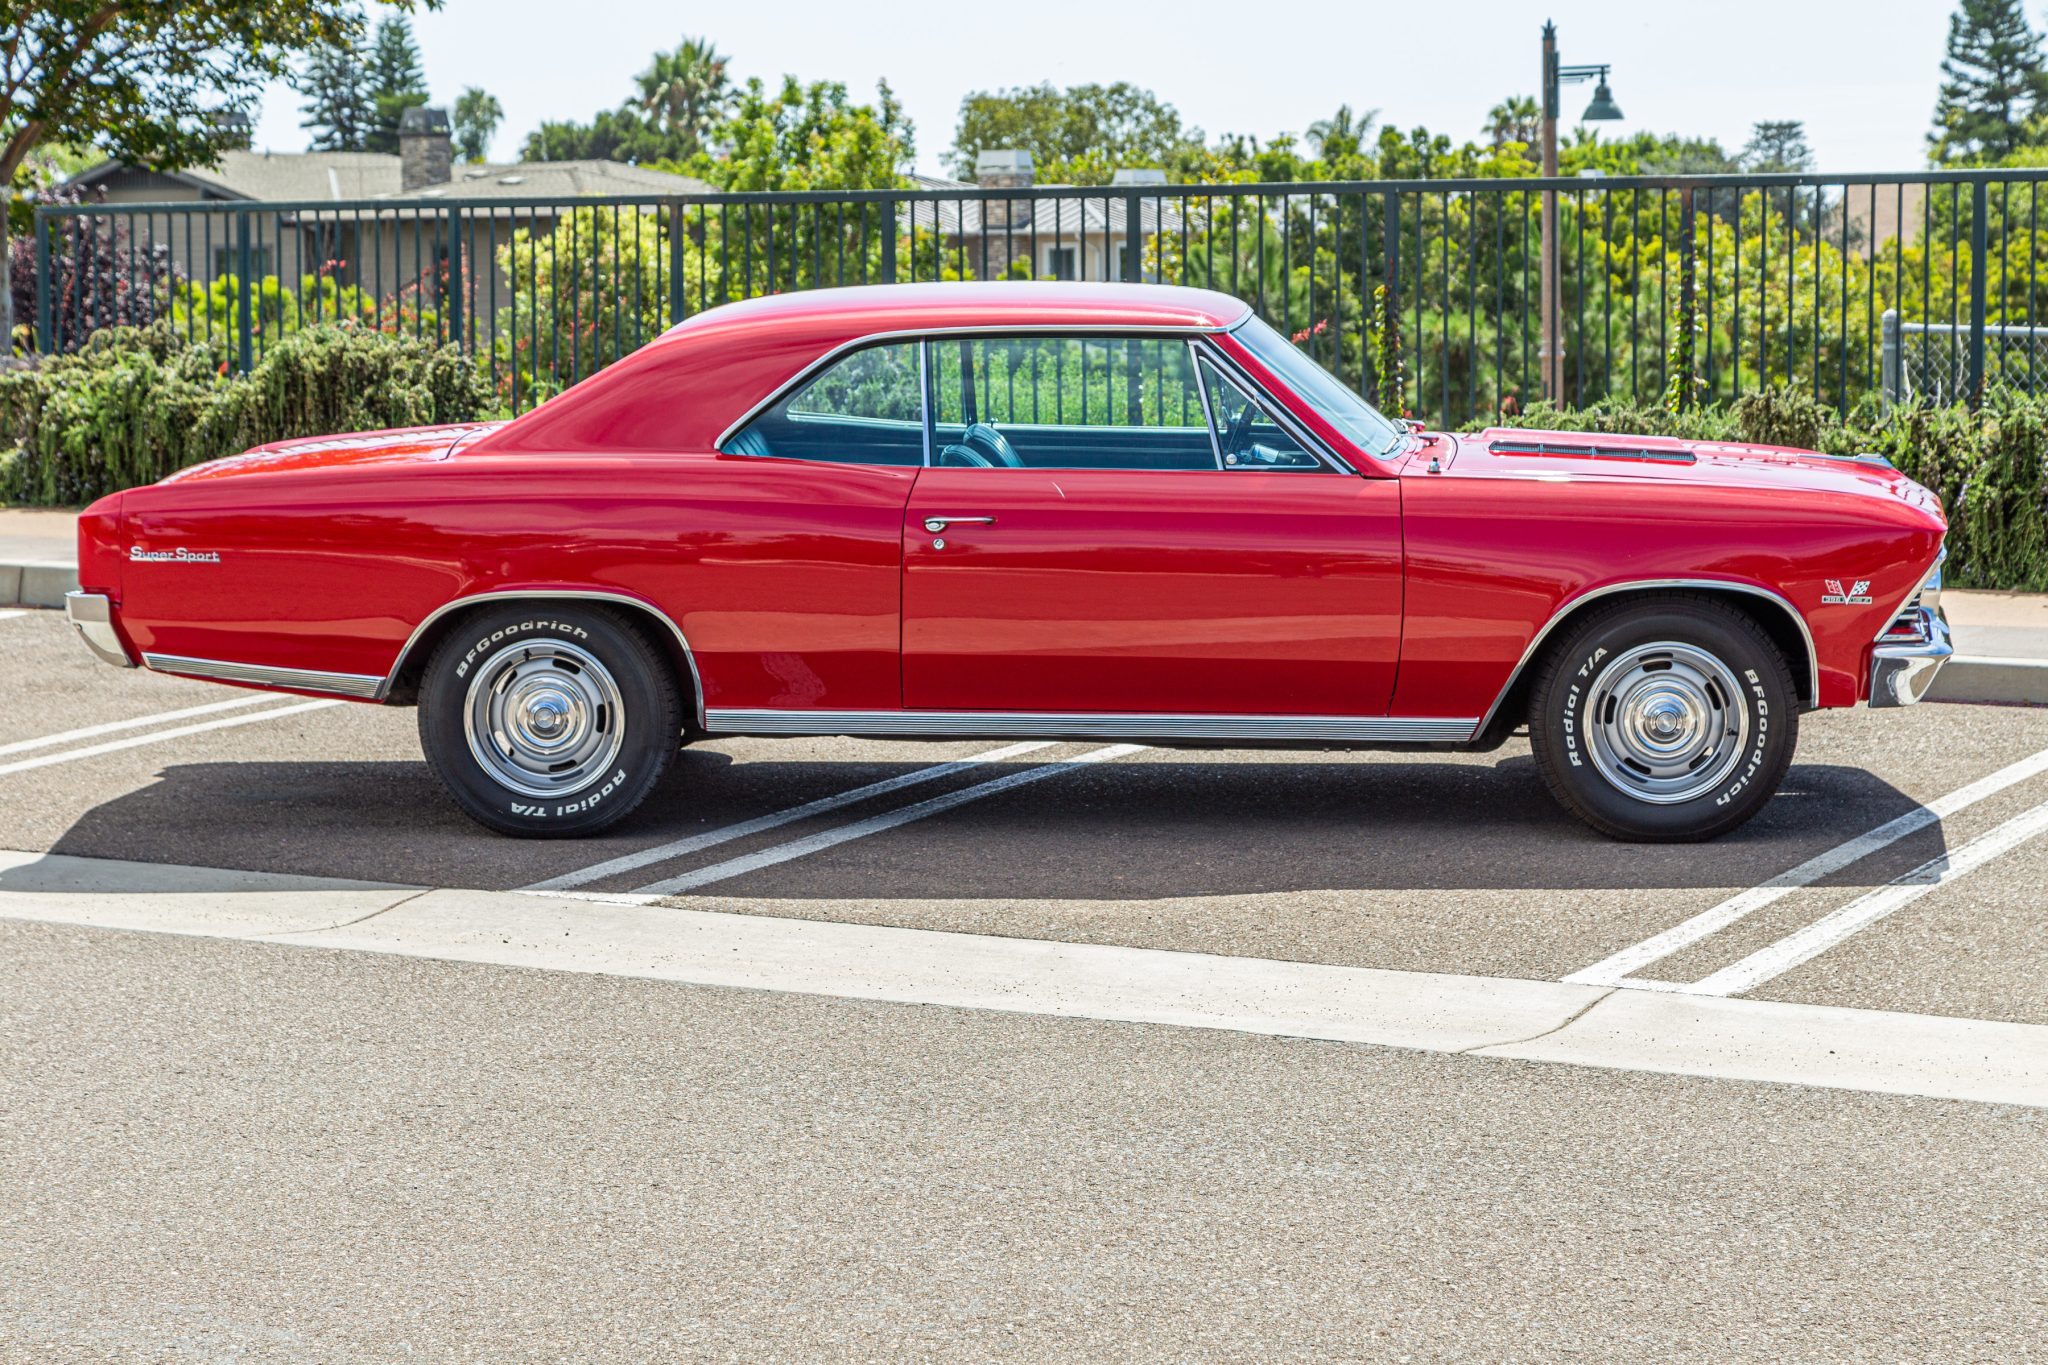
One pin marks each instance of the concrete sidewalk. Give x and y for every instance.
(2001, 637)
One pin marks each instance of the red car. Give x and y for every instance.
(1047, 510)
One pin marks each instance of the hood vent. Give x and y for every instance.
(1564, 451)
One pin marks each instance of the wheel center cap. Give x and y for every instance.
(547, 715)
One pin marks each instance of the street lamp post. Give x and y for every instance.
(1602, 107)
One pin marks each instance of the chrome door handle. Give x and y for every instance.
(938, 524)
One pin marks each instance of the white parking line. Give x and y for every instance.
(861, 829)
(11, 612)
(94, 750)
(1616, 970)
(160, 718)
(676, 848)
(1866, 910)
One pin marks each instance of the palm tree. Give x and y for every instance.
(1341, 128)
(1514, 119)
(686, 90)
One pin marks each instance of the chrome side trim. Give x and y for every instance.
(92, 614)
(547, 594)
(363, 685)
(1651, 584)
(1901, 674)
(802, 376)
(1092, 725)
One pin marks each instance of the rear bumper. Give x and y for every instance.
(1902, 671)
(93, 614)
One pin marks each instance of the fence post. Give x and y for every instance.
(889, 240)
(1888, 360)
(678, 297)
(245, 332)
(1980, 212)
(46, 313)
(1688, 304)
(452, 284)
(1134, 241)
(1390, 233)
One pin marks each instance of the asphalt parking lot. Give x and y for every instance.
(886, 1175)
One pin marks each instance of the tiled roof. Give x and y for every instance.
(298, 176)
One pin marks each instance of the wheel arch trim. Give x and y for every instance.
(546, 594)
(1572, 604)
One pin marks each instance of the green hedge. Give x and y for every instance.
(134, 404)
(1990, 467)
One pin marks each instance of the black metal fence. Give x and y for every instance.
(1425, 295)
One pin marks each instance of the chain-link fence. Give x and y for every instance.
(1929, 362)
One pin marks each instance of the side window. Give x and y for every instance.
(865, 408)
(1067, 402)
(1246, 434)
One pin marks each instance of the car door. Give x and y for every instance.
(1083, 543)
(790, 581)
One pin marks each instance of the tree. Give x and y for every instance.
(1777, 146)
(1342, 133)
(477, 116)
(396, 82)
(337, 104)
(611, 135)
(143, 79)
(1081, 135)
(1992, 83)
(685, 92)
(808, 137)
(1518, 118)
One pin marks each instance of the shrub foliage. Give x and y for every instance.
(136, 403)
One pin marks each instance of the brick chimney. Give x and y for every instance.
(1004, 168)
(426, 149)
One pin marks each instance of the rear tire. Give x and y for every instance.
(548, 721)
(1667, 719)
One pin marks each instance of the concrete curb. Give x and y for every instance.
(1878, 1051)
(2011, 682)
(36, 582)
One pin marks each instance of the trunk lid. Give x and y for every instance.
(398, 445)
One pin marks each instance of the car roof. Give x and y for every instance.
(1002, 303)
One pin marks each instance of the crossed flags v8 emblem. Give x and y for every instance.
(1857, 596)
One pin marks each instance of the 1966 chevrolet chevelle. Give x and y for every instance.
(1049, 510)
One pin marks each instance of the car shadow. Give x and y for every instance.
(1182, 827)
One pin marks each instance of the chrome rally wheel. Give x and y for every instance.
(545, 719)
(1662, 718)
(1664, 722)
(549, 719)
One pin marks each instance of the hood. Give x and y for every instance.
(1521, 452)
(399, 445)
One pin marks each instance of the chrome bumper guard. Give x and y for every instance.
(93, 614)
(1903, 666)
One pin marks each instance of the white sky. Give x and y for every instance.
(1862, 74)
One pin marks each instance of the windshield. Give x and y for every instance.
(1323, 391)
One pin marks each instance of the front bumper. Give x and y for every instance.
(93, 614)
(1903, 669)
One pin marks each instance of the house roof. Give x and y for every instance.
(300, 176)
(546, 179)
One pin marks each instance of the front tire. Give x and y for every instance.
(548, 721)
(1664, 720)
